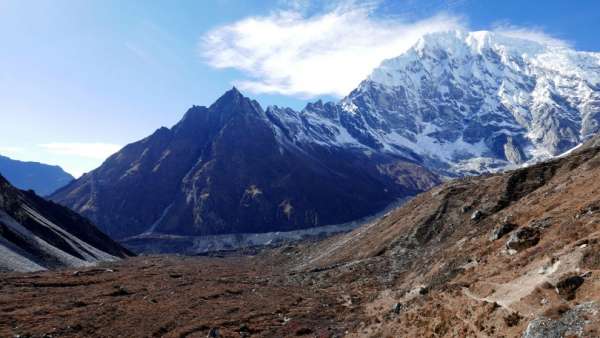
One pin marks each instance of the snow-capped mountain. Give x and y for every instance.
(454, 104)
(464, 103)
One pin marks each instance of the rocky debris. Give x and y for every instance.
(571, 323)
(477, 215)
(588, 210)
(523, 238)
(568, 285)
(502, 230)
(541, 224)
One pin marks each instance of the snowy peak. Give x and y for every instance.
(479, 101)
(463, 103)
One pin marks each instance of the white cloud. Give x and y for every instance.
(99, 151)
(288, 52)
(532, 34)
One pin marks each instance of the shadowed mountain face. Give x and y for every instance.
(36, 234)
(230, 168)
(42, 178)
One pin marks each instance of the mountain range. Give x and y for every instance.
(42, 178)
(454, 104)
(36, 234)
(230, 168)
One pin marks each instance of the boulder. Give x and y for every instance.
(523, 238)
(501, 230)
(567, 286)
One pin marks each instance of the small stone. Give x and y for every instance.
(244, 328)
(476, 216)
(396, 308)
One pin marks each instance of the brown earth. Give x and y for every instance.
(427, 269)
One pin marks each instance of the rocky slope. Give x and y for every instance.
(231, 168)
(497, 255)
(36, 234)
(42, 178)
(502, 255)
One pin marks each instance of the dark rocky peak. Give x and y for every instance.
(327, 109)
(314, 106)
(235, 101)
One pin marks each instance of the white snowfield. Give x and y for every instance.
(463, 103)
(15, 258)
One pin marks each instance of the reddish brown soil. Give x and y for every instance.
(172, 297)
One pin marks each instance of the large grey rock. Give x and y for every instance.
(523, 238)
(501, 230)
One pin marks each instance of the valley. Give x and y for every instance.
(501, 255)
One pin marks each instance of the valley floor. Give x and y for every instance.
(170, 296)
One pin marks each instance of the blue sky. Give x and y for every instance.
(79, 79)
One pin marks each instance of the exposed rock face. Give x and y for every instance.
(232, 168)
(36, 234)
(42, 178)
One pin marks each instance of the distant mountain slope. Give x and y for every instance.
(42, 178)
(36, 234)
(230, 168)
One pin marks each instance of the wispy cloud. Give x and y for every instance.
(99, 151)
(10, 151)
(535, 34)
(290, 52)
